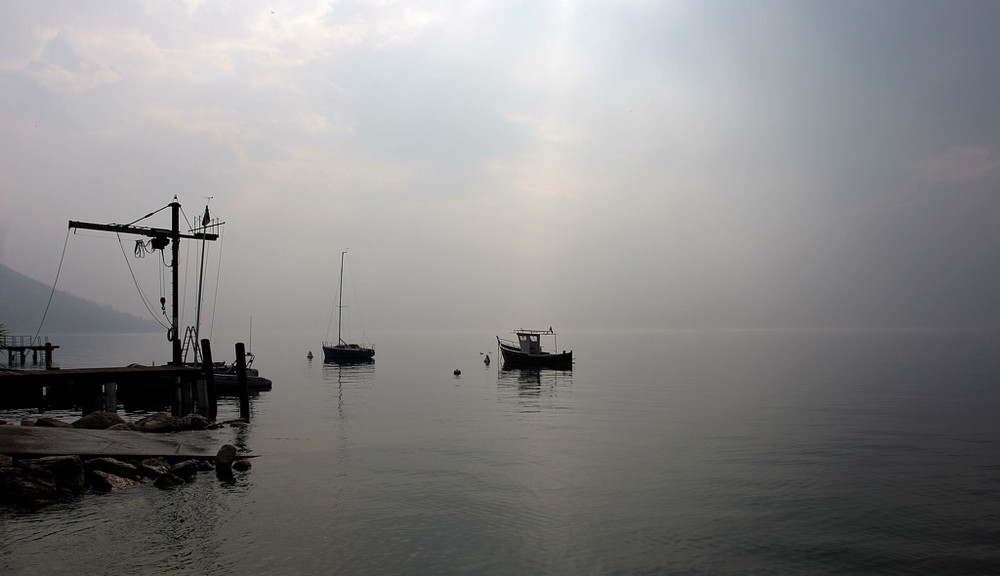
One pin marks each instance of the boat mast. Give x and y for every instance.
(340, 300)
(201, 283)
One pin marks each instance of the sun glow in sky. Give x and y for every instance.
(498, 164)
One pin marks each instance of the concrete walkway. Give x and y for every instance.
(41, 441)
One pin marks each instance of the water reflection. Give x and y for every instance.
(532, 388)
(349, 376)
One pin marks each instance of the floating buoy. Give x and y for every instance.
(310, 355)
(458, 372)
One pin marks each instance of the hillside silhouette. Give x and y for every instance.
(23, 299)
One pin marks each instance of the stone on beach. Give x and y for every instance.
(113, 466)
(41, 480)
(195, 422)
(159, 423)
(99, 420)
(52, 423)
(154, 467)
(186, 470)
(226, 456)
(66, 471)
(107, 482)
(168, 480)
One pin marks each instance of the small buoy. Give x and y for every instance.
(310, 355)
(458, 372)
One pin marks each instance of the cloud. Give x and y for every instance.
(959, 165)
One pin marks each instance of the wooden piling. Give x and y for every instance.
(187, 398)
(176, 405)
(212, 398)
(241, 381)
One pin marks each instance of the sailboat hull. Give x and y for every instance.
(348, 354)
(344, 353)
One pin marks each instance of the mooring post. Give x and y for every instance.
(212, 397)
(176, 406)
(111, 396)
(91, 396)
(187, 397)
(241, 381)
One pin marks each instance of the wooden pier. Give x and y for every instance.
(17, 348)
(186, 389)
(91, 389)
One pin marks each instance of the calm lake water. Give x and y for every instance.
(742, 452)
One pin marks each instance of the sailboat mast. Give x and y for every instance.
(205, 221)
(340, 301)
(201, 283)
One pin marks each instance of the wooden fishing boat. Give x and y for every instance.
(226, 377)
(528, 352)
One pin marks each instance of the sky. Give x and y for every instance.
(495, 165)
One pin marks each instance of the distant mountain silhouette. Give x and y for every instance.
(22, 303)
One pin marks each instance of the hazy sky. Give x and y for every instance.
(500, 164)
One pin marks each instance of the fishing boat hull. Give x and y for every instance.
(348, 354)
(228, 381)
(515, 358)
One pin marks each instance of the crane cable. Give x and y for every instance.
(142, 295)
(54, 282)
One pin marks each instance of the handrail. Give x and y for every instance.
(13, 341)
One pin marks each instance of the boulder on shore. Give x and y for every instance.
(17, 489)
(52, 423)
(65, 471)
(195, 422)
(99, 420)
(113, 466)
(160, 423)
(226, 456)
(186, 470)
(107, 482)
(33, 483)
(154, 467)
(168, 480)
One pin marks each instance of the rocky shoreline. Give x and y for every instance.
(32, 483)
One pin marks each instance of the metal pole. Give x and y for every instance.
(175, 209)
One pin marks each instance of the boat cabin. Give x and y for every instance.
(530, 342)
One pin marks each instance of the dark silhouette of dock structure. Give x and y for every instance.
(91, 389)
(18, 347)
(186, 389)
